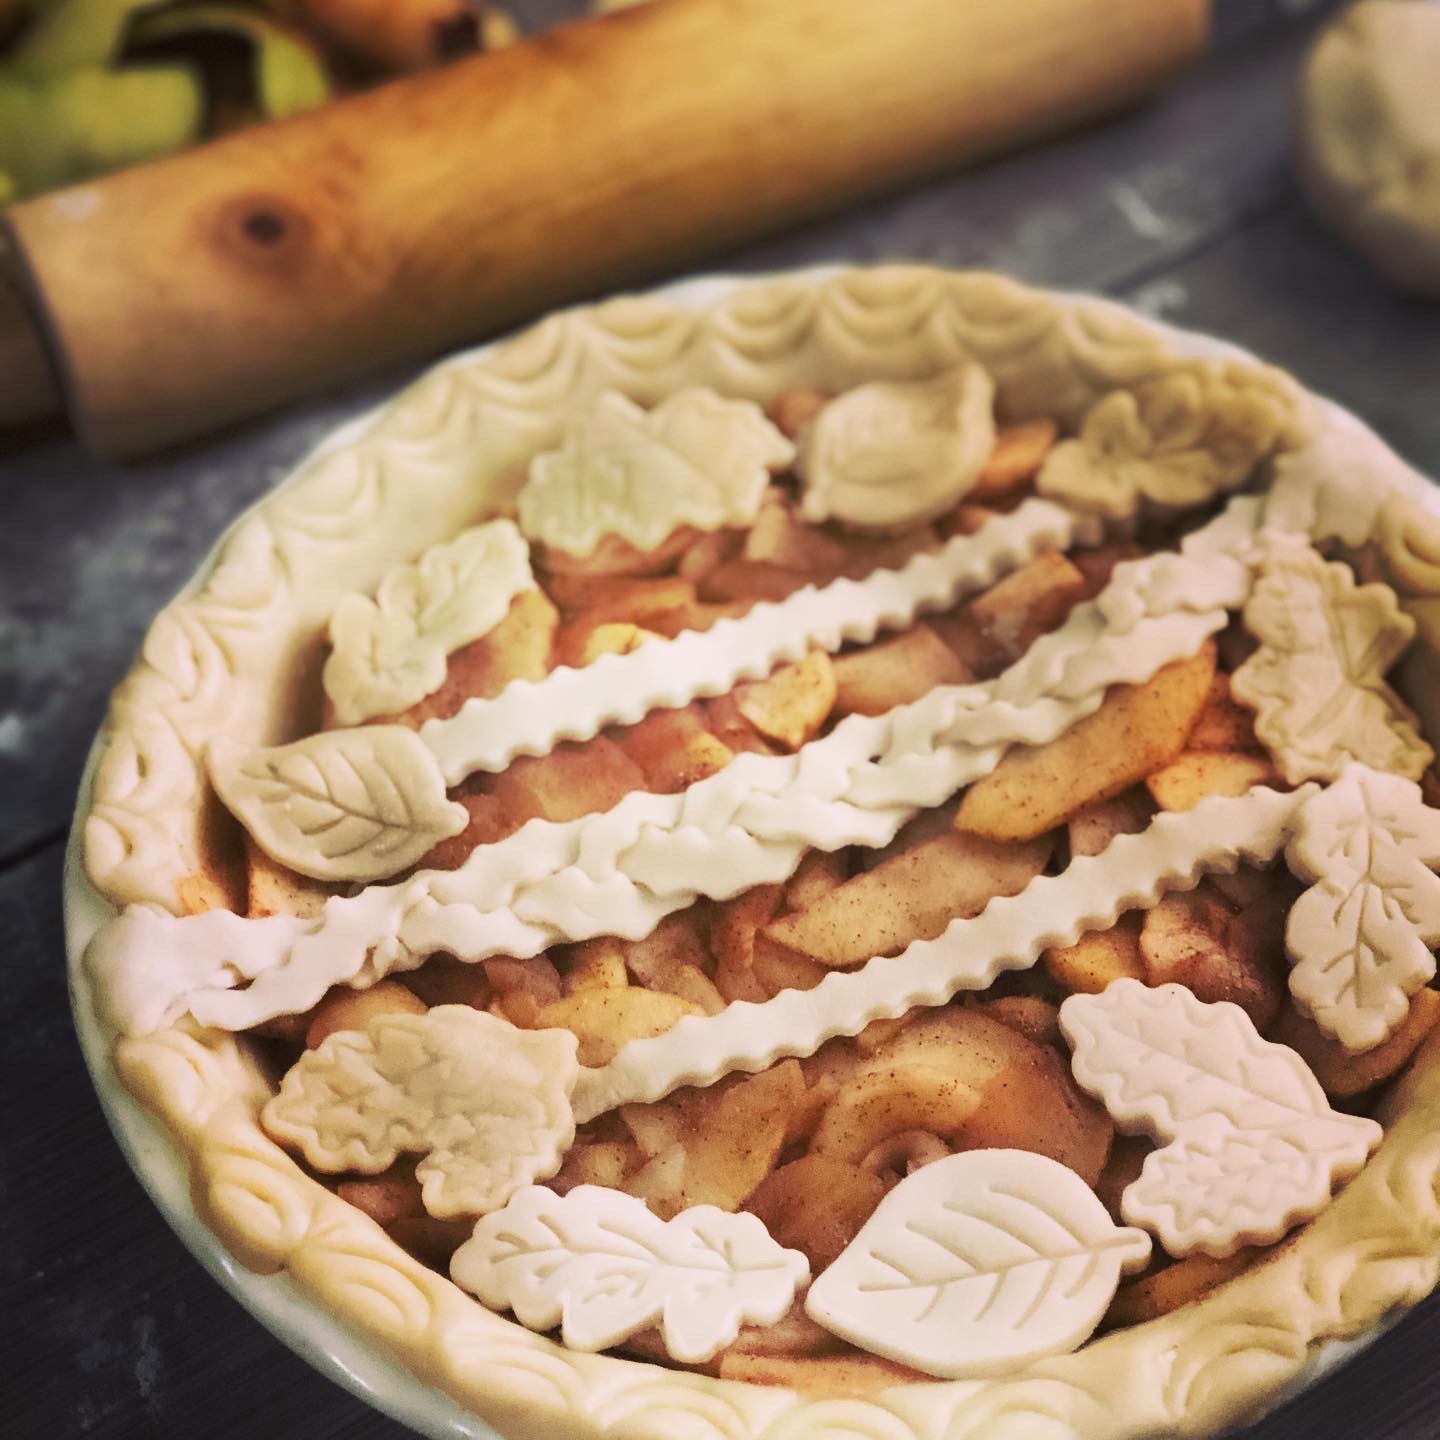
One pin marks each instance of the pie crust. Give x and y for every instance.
(445, 455)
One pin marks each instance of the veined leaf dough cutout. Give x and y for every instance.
(893, 453)
(487, 1106)
(977, 1263)
(390, 652)
(600, 1265)
(341, 804)
(695, 459)
(1180, 439)
(1317, 681)
(1249, 1143)
(1360, 938)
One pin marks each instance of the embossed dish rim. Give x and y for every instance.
(278, 1302)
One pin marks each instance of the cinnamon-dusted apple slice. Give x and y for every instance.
(673, 958)
(1098, 957)
(816, 1205)
(570, 781)
(1341, 1074)
(1092, 828)
(733, 927)
(274, 889)
(1195, 939)
(895, 672)
(605, 601)
(1224, 724)
(816, 876)
(911, 897)
(1016, 458)
(1195, 774)
(674, 748)
(1151, 1296)
(729, 1136)
(605, 1020)
(1136, 730)
(791, 704)
(728, 724)
(1029, 602)
(780, 537)
(751, 580)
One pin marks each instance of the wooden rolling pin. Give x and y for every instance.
(193, 291)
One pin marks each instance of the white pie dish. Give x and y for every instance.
(315, 1333)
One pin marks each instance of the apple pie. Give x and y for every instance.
(860, 858)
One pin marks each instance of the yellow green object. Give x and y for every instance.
(288, 75)
(75, 34)
(63, 127)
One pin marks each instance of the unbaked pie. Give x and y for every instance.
(737, 864)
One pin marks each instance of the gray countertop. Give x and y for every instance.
(108, 1328)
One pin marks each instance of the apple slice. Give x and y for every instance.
(1092, 828)
(1197, 774)
(571, 781)
(1099, 957)
(273, 889)
(1018, 454)
(1029, 602)
(1343, 1075)
(816, 1205)
(751, 580)
(895, 672)
(911, 897)
(729, 725)
(674, 748)
(791, 704)
(1195, 939)
(1224, 724)
(604, 1020)
(603, 600)
(1136, 730)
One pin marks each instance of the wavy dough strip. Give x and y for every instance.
(621, 872)
(1133, 872)
(529, 717)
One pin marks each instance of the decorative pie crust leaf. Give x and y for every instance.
(597, 1263)
(485, 1104)
(342, 804)
(1360, 938)
(695, 459)
(977, 1263)
(1250, 1144)
(1317, 681)
(390, 652)
(1180, 439)
(893, 453)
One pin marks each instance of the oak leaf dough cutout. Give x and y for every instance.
(893, 453)
(1360, 938)
(1368, 149)
(339, 804)
(639, 476)
(1180, 439)
(1317, 680)
(976, 1263)
(485, 1105)
(597, 1263)
(1249, 1145)
(390, 652)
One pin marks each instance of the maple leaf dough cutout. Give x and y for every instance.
(1360, 938)
(600, 1265)
(1249, 1143)
(1317, 680)
(696, 459)
(391, 652)
(340, 804)
(1180, 439)
(486, 1105)
(893, 453)
(977, 1263)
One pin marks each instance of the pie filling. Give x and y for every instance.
(881, 795)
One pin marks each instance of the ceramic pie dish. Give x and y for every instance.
(1279, 493)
